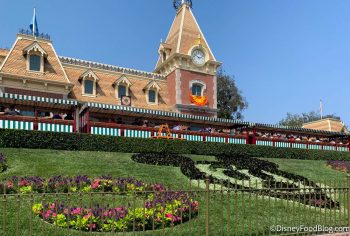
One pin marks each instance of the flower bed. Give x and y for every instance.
(3, 163)
(343, 166)
(162, 206)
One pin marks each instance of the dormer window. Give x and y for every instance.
(152, 92)
(88, 87)
(121, 91)
(152, 96)
(122, 85)
(89, 83)
(35, 55)
(34, 62)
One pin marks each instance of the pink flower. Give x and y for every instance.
(9, 184)
(54, 215)
(169, 216)
(47, 215)
(52, 206)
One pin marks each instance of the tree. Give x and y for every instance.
(231, 103)
(297, 120)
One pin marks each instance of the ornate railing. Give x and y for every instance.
(30, 33)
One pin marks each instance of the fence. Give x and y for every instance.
(224, 208)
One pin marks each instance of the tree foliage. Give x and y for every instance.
(231, 103)
(297, 120)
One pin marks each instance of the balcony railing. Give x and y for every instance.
(30, 33)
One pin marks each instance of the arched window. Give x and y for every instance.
(35, 56)
(152, 96)
(89, 83)
(88, 87)
(197, 90)
(34, 62)
(121, 90)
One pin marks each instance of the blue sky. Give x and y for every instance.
(285, 54)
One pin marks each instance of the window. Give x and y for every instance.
(89, 87)
(164, 56)
(34, 63)
(197, 90)
(121, 91)
(152, 96)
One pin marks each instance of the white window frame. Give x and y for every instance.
(37, 50)
(89, 75)
(123, 80)
(154, 87)
(200, 83)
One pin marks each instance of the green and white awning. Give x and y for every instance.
(163, 114)
(28, 99)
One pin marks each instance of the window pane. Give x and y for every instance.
(196, 90)
(88, 85)
(121, 91)
(151, 96)
(34, 62)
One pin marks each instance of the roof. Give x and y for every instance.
(327, 124)
(3, 54)
(15, 62)
(279, 128)
(184, 33)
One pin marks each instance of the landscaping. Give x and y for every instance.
(226, 209)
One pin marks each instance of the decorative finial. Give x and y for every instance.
(178, 3)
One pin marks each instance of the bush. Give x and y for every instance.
(73, 141)
(3, 163)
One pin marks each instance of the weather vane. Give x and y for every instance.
(178, 3)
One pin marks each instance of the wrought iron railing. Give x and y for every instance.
(38, 35)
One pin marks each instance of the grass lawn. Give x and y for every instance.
(234, 213)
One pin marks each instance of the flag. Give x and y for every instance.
(321, 108)
(34, 25)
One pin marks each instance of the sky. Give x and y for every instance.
(285, 55)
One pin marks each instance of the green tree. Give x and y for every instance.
(297, 120)
(231, 103)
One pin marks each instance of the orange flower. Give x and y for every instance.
(199, 100)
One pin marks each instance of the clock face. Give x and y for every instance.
(198, 57)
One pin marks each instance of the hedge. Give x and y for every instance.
(86, 142)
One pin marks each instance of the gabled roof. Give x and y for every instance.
(15, 63)
(184, 33)
(327, 124)
(89, 73)
(122, 80)
(152, 85)
(35, 47)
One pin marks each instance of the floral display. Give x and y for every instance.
(162, 207)
(199, 100)
(3, 163)
(343, 166)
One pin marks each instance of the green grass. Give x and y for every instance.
(233, 213)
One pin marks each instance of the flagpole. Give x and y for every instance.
(34, 23)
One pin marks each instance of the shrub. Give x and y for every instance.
(343, 166)
(3, 163)
(74, 141)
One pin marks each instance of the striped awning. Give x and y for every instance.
(296, 129)
(164, 113)
(36, 99)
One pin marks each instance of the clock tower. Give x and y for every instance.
(189, 65)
